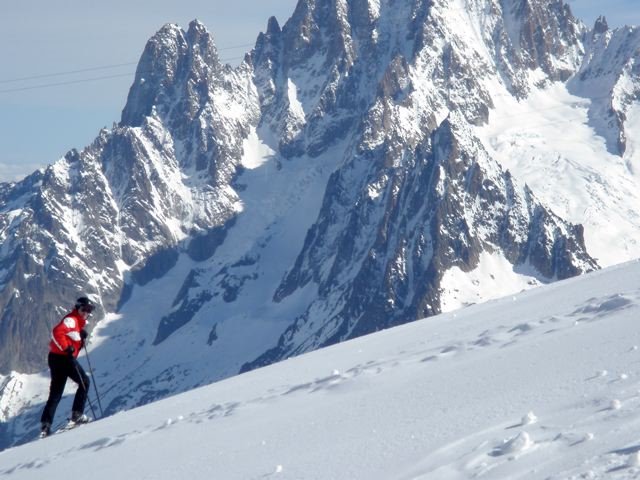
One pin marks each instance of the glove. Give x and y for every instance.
(83, 335)
(69, 351)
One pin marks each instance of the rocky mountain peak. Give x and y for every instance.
(273, 27)
(173, 64)
(317, 26)
(545, 35)
(203, 47)
(601, 26)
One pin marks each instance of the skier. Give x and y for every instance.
(67, 339)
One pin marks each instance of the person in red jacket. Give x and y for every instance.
(67, 339)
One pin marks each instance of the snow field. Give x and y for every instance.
(548, 136)
(513, 388)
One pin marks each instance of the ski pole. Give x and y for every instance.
(75, 364)
(93, 380)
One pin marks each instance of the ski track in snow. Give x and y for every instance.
(443, 398)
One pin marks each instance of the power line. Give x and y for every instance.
(69, 72)
(499, 117)
(68, 82)
(104, 67)
(83, 80)
(129, 74)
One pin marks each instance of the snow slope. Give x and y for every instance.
(544, 384)
(547, 141)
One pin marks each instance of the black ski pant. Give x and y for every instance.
(63, 367)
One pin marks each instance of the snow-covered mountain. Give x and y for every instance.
(540, 385)
(368, 164)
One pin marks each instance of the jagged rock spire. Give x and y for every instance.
(601, 26)
(173, 62)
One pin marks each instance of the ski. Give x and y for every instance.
(70, 425)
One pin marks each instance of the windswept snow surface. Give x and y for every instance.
(541, 385)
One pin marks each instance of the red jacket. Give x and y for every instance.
(67, 333)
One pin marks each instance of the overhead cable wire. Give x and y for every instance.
(68, 82)
(129, 74)
(84, 80)
(70, 72)
(103, 67)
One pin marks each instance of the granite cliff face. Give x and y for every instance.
(317, 192)
(381, 264)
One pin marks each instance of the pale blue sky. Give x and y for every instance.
(38, 37)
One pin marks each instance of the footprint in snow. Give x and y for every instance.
(632, 461)
(600, 307)
(574, 438)
(522, 329)
(519, 443)
(449, 349)
(105, 442)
